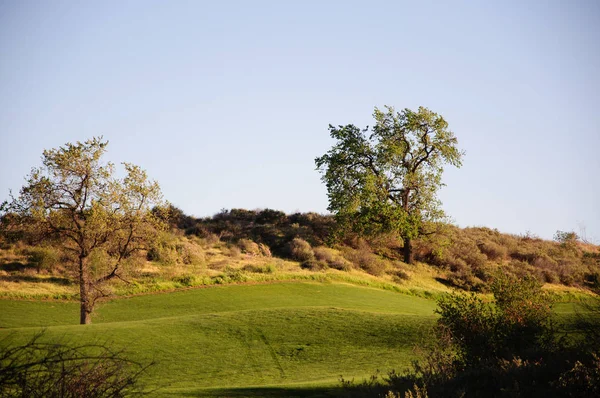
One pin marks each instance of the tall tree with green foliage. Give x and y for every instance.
(385, 179)
(75, 202)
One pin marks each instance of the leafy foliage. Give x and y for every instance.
(54, 370)
(386, 179)
(504, 348)
(75, 202)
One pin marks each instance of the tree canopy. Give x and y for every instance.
(74, 201)
(386, 178)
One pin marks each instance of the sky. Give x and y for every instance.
(227, 103)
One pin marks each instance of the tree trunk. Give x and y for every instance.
(407, 251)
(84, 294)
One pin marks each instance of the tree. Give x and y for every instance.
(386, 179)
(75, 202)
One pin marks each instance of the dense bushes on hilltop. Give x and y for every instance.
(269, 227)
(471, 255)
(465, 258)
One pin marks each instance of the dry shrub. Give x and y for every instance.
(209, 239)
(264, 250)
(492, 250)
(44, 258)
(314, 265)
(466, 280)
(249, 247)
(232, 251)
(366, 260)
(324, 254)
(400, 275)
(550, 276)
(525, 254)
(219, 265)
(544, 261)
(332, 258)
(260, 269)
(300, 250)
(190, 253)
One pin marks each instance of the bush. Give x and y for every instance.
(399, 276)
(492, 250)
(264, 250)
(506, 347)
(37, 369)
(260, 269)
(233, 251)
(331, 258)
(190, 253)
(185, 280)
(566, 238)
(300, 250)
(249, 247)
(314, 265)
(366, 260)
(324, 254)
(44, 258)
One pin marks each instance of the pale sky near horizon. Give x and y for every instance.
(227, 103)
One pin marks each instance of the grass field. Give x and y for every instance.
(283, 339)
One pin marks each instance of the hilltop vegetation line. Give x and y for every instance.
(241, 245)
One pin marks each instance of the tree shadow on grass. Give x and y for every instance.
(35, 279)
(16, 266)
(271, 392)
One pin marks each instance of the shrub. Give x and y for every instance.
(400, 275)
(365, 259)
(324, 254)
(232, 251)
(185, 280)
(314, 265)
(300, 250)
(264, 250)
(190, 253)
(550, 276)
(44, 258)
(492, 250)
(260, 269)
(340, 264)
(525, 255)
(249, 247)
(37, 369)
(332, 258)
(566, 238)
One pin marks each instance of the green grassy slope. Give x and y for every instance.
(247, 337)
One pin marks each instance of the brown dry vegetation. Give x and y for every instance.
(259, 246)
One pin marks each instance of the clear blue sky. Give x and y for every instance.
(227, 104)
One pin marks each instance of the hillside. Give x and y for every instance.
(244, 246)
(289, 335)
(260, 303)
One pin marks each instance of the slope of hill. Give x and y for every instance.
(240, 337)
(243, 246)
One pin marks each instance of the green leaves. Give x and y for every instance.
(75, 199)
(385, 179)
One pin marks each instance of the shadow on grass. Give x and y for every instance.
(272, 392)
(16, 266)
(445, 282)
(35, 279)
